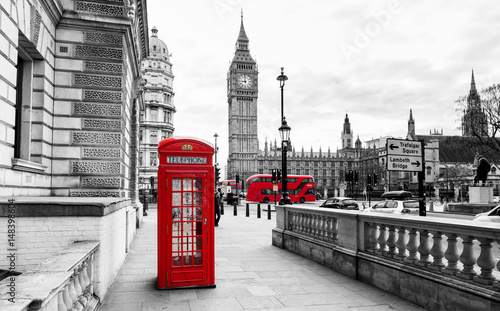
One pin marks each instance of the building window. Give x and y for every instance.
(154, 114)
(141, 132)
(429, 170)
(164, 135)
(153, 159)
(153, 136)
(141, 155)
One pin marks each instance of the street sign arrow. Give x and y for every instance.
(417, 164)
(392, 147)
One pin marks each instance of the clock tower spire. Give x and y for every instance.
(242, 93)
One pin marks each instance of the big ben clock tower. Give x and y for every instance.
(242, 93)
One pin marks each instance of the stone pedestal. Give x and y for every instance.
(478, 194)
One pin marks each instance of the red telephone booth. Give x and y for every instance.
(186, 256)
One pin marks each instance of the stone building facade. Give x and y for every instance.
(157, 118)
(69, 97)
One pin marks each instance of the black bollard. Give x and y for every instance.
(222, 208)
(235, 209)
(269, 211)
(248, 210)
(258, 210)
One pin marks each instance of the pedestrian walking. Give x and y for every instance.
(217, 208)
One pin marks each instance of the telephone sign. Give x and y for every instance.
(186, 256)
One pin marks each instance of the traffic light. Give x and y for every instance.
(278, 176)
(237, 180)
(351, 176)
(369, 179)
(152, 182)
(356, 176)
(217, 174)
(273, 179)
(375, 179)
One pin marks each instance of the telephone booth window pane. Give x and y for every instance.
(188, 200)
(187, 244)
(186, 185)
(175, 245)
(198, 259)
(176, 184)
(188, 228)
(176, 199)
(186, 213)
(198, 198)
(199, 228)
(198, 245)
(197, 184)
(176, 260)
(198, 213)
(188, 259)
(176, 214)
(176, 229)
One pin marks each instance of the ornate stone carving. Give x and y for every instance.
(105, 110)
(100, 37)
(102, 124)
(95, 167)
(102, 66)
(101, 153)
(97, 138)
(102, 95)
(101, 81)
(36, 20)
(98, 182)
(99, 8)
(98, 52)
(95, 193)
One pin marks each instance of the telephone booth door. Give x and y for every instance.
(185, 215)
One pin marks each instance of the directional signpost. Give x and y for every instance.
(408, 156)
(404, 155)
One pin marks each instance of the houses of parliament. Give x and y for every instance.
(328, 167)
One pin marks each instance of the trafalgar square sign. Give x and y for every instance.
(404, 155)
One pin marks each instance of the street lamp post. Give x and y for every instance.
(285, 142)
(216, 164)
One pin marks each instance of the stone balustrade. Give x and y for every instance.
(64, 282)
(400, 253)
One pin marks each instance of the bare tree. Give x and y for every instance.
(482, 120)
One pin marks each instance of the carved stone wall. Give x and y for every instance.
(99, 8)
(99, 138)
(101, 153)
(104, 110)
(95, 167)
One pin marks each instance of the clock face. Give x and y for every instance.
(245, 81)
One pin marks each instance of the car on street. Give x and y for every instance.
(396, 202)
(340, 203)
(395, 207)
(491, 216)
(496, 199)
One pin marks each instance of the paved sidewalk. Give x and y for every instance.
(251, 274)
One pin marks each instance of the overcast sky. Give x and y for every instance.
(375, 60)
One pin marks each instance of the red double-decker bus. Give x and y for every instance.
(232, 184)
(300, 188)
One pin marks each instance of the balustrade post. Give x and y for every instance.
(335, 230)
(451, 255)
(401, 244)
(468, 259)
(324, 235)
(300, 222)
(382, 239)
(486, 262)
(412, 246)
(372, 238)
(391, 242)
(61, 305)
(437, 251)
(424, 249)
(67, 298)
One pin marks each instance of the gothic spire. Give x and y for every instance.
(242, 42)
(473, 82)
